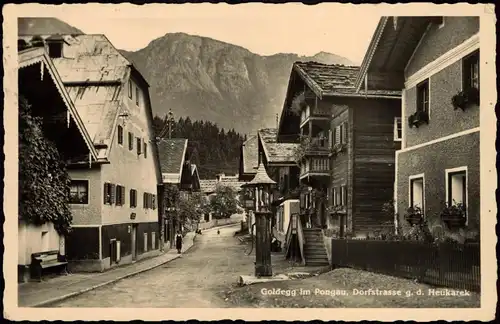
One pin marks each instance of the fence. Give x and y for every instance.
(446, 264)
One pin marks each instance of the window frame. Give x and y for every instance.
(397, 129)
(411, 180)
(425, 84)
(130, 141)
(120, 195)
(138, 141)
(448, 193)
(133, 198)
(86, 186)
(137, 95)
(467, 61)
(120, 135)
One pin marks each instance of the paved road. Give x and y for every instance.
(197, 279)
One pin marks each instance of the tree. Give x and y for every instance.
(44, 183)
(191, 207)
(224, 203)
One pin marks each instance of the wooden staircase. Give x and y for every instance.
(314, 248)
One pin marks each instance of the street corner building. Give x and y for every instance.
(177, 171)
(113, 162)
(437, 68)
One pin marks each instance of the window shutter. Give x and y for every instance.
(145, 150)
(105, 192)
(131, 197)
(139, 142)
(330, 138)
(337, 135)
(144, 200)
(302, 202)
(154, 201)
(344, 196)
(112, 194)
(122, 192)
(344, 135)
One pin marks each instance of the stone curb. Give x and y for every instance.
(79, 292)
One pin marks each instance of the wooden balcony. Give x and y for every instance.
(315, 167)
(314, 115)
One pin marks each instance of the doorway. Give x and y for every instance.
(134, 242)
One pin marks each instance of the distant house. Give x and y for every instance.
(435, 61)
(281, 166)
(209, 187)
(177, 171)
(249, 159)
(110, 224)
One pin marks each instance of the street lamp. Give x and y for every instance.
(262, 185)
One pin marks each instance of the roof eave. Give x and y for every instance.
(371, 50)
(309, 81)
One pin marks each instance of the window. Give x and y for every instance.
(109, 193)
(55, 49)
(120, 195)
(130, 89)
(417, 192)
(471, 71)
(147, 201)
(133, 198)
(120, 135)
(79, 192)
(456, 186)
(145, 150)
(137, 96)
(398, 129)
(153, 201)
(139, 142)
(423, 96)
(130, 141)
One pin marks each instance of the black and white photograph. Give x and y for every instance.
(251, 161)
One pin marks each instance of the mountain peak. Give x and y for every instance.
(45, 26)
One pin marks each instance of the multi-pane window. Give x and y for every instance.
(471, 71)
(148, 201)
(398, 129)
(109, 193)
(130, 141)
(133, 198)
(120, 195)
(457, 187)
(79, 192)
(423, 96)
(120, 135)
(339, 196)
(417, 192)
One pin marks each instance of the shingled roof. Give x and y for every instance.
(208, 186)
(276, 152)
(94, 74)
(325, 79)
(250, 149)
(172, 155)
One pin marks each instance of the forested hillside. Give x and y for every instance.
(212, 149)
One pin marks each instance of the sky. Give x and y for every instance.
(264, 29)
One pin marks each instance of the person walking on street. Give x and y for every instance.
(178, 242)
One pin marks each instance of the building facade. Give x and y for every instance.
(438, 164)
(114, 197)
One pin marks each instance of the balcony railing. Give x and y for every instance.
(319, 113)
(315, 166)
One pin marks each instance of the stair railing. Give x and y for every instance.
(301, 238)
(292, 229)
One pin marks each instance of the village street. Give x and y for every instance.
(197, 279)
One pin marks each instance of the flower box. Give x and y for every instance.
(465, 98)
(454, 216)
(414, 215)
(418, 118)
